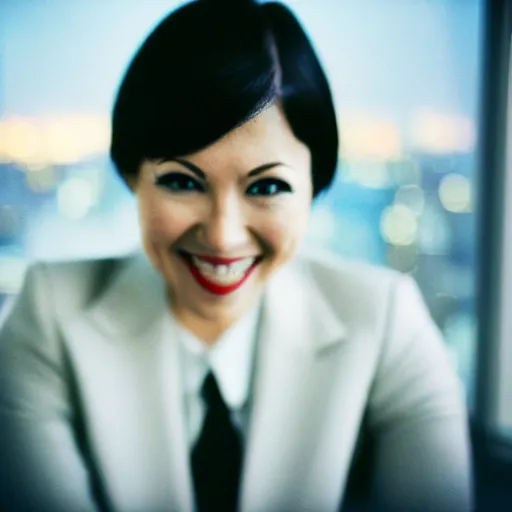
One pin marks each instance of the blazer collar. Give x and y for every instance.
(136, 300)
(126, 362)
(285, 467)
(133, 303)
(297, 312)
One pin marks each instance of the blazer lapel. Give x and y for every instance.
(304, 420)
(296, 456)
(125, 361)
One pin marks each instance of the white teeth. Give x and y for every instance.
(241, 266)
(223, 274)
(222, 270)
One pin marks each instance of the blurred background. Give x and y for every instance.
(406, 79)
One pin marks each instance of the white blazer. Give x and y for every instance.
(91, 412)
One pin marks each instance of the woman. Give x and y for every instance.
(218, 369)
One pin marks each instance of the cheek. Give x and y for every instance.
(283, 230)
(162, 221)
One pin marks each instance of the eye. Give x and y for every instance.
(268, 187)
(179, 182)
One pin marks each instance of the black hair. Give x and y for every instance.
(209, 67)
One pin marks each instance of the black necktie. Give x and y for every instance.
(217, 455)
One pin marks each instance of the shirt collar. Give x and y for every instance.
(230, 359)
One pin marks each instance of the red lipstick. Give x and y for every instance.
(215, 288)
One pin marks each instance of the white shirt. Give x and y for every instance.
(231, 361)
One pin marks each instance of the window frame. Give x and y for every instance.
(494, 239)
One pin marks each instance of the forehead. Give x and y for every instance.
(266, 137)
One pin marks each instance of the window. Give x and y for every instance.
(406, 81)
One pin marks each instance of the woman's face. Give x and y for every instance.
(217, 223)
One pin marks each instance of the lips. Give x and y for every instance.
(215, 260)
(220, 276)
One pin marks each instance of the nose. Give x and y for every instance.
(225, 229)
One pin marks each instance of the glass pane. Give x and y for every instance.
(405, 78)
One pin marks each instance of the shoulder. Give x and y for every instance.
(355, 289)
(326, 267)
(70, 285)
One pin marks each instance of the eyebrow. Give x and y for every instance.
(202, 175)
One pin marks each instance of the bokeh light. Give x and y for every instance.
(411, 196)
(21, 141)
(455, 193)
(367, 138)
(75, 198)
(59, 140)
(442, 133)
(41, 179)
(399, 225)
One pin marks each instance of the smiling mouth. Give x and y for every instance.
(220, 276)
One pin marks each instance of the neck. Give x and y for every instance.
(211, 326)
(208, 331)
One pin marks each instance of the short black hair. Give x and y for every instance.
(209, 67)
